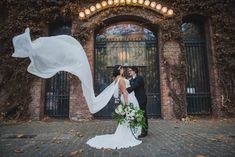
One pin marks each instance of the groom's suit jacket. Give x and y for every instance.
(137, 85)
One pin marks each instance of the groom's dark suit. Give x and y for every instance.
(137, 85)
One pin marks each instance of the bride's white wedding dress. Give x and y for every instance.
(49, 55)
(123, 137)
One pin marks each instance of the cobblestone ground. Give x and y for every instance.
(198, 138)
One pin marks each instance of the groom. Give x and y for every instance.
(137, 85)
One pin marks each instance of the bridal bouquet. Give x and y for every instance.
(131, 114)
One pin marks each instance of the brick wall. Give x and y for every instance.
(171, 53)
(78, 107)
(36, 108)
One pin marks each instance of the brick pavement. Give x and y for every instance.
(59, 138)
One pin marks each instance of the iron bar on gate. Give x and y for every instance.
(141, 53)
(198, 87)
(57, 95)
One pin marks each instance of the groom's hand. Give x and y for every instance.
(129, 89)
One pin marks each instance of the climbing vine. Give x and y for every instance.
(15, 81)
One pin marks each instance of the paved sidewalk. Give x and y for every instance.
(166, 139)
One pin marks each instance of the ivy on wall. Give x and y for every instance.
(15, 81)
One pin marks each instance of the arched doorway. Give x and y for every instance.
(57, 88)
(198, 86)
(127, 43)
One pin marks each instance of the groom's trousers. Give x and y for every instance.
(145, 130)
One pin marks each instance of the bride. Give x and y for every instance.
(49, 55)
(123, 137)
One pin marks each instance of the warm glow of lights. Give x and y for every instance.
(147, 2)
(82, 14)
(159, 7)
(87, 11)
(116, 1)
(92, 8)
(123, 56)
(153, 4)
(104, 3)
(110, 2)
(98, 6)
(134, 1)
(164, 9)
(122, 1)
(140, 1)
(170, 12)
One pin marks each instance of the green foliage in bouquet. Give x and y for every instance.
(132, 115)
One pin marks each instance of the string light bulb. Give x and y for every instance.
(140, 1)
(170, 12)
(147, 2)
(87, 11)
(153, 4)
(159, 7)
(81, 14)
(92, 8)
(116, 1)
(128, 1)
(134, 1)
(104, 3)
(122, 1)
(98, 6)
(110, 2)
(164, 9)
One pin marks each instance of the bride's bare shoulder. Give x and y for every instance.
(120, 78)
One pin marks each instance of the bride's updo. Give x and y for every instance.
(116, 70)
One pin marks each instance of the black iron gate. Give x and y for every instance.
(57, 95)
(128, 52)
(57, 88)
(198, 87)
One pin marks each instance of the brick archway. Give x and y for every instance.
(151, 21)
(138, 47)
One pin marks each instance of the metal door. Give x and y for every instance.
(126, 47)
(198, 87)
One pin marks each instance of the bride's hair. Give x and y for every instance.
(116, 70)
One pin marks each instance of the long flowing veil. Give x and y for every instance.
(49, 55)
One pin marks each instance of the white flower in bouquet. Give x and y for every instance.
(119, 110)
(127, 109)
(138, 119)
(133, 115)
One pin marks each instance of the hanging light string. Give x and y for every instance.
(87, 12)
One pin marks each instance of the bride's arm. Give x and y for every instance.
(122, 86)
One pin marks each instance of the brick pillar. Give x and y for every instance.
(171, 56)
(216, 96)
(36, 107)
(78, 106)
(78, 109)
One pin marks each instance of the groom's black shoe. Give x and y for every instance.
(142, 135)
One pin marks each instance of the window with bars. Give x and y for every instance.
(197, 77)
